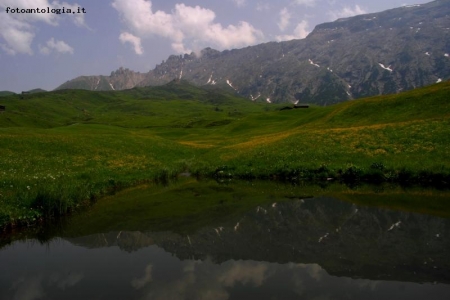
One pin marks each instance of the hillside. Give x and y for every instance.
(176, 104)
(72, 145)
(6, 93)
(380, 53)
(120, 79)
(33, 91)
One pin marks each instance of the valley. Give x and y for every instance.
(63, 149)
(249, 150)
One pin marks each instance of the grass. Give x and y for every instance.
(63, 149)
(6, 93)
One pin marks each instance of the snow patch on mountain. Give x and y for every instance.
(231, 85)
(314, 64)
(210, 79)
(395, 225)
(386, 68)
(323, 237)
(255, 98)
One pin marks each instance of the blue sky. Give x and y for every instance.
(41, 50)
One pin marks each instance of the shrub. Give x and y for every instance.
(352, 173)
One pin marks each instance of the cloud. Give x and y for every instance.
(243, 273)
(305, 2)
(285, 17)
(346, 12)
(57, 46)
(139, 283)
(17, 30)
(28, 288)
(186, 27)
(135, 41)
(300, 32)
(315, 271)
(17, 35)
(204, 280)
(33, 287)
(62, 282)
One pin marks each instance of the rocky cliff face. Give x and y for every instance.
(120, 79)
(366, 55)
(361, 56)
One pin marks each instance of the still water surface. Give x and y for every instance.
(239, 241)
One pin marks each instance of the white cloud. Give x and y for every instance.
(346, 12)
(285, 17)
(186, 26)
(17, 35)
(135, 41)
(300, 32)
(58, 46)
(244, 273)
(18, 29)
(305, 2)
(139, 283)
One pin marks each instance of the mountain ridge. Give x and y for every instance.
(366, 55)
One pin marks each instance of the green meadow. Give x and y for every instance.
(64, 149)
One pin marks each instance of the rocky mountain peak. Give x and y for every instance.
(379, 53)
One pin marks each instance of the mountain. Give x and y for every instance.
(6, 93)
(379, 53)
(33, 91)
(120, 79)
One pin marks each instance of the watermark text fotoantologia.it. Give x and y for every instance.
(46, 10)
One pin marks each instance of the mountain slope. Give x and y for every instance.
(175, 104)
(120, 79)
(6, 93)
(366, 55)
(380, 53)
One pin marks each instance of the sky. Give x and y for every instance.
(43, 50)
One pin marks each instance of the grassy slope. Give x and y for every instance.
(407, 132)
(6, 93)
(63, 147)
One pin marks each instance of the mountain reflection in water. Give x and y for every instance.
(319, 248)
